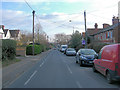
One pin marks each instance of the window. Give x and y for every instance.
(99, 56)
(101, 36)
(105, 36)
(111, 34)
(108, 34)
(98, 37)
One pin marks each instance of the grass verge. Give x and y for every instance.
(9, 62)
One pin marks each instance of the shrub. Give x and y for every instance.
(97, 46)
(37, 49)
(8, 49)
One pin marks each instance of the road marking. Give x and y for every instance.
(69, 69)
(41, 64)
(44, 59)
(78, 84)
(30, 77)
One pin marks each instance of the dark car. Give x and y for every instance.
(85, 56)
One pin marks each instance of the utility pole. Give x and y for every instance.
(73, 29)
(33, 32)
(85, 29)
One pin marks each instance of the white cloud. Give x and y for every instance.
(101, 12)
(15, 19)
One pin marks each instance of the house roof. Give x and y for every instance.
(108, 29)
(92, 31)
(14, 33)
(5, 31)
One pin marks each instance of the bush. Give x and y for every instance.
(97, 46)
(8, 49)
(37, 49)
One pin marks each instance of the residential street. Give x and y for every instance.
(57, 70)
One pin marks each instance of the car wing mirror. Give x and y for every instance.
(96, 56)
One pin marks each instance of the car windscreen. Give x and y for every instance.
(70, 49)
(64, 46)
(88, 52)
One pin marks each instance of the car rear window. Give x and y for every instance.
(88, 52)
(70, 49)
(64, 46)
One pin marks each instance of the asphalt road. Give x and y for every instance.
(57, 70)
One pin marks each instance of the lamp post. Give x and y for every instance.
(73, 26)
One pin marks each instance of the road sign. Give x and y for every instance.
(83, 42)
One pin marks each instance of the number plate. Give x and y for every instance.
(90, 61)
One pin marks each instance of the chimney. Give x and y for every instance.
(96, 26)
(2, 26)
(115, 20)
(105, 25)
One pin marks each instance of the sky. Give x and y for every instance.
(54, 15)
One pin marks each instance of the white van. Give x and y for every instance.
(63, 48)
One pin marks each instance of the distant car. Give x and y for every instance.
(63, 48)
(108, 62)
(54, 48)
(70, 51)
(85, 56)
(34, 43)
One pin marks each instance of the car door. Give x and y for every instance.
(98, 62)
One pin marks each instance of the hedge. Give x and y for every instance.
(8, 49)
(37, 49)
(97, 46)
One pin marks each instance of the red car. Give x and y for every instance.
(108, 62)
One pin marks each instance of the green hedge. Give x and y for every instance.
(97, 46)
(8, 49)
(37, 49)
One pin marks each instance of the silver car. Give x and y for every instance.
(70, 51)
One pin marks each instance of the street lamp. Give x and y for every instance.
(73, 26)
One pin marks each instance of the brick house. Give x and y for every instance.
(83, 34)
(109, 33)
(92, 31)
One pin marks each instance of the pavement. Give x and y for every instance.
(14, 71)
(57, 70)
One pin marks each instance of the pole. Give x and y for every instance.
(85, 29)
(73, 29)
(33, 32)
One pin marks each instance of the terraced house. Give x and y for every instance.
(107, 34)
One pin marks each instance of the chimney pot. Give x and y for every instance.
(96, 26)
(115, 20)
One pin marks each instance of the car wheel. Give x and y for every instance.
(81, 64)
(94, 69)
(76, 61)
(109, 78)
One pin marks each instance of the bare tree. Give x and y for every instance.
(62, 38)
(38, 29)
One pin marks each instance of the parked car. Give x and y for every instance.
(63, 48)
(108, 62)
(70, 51)
(85, 56)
